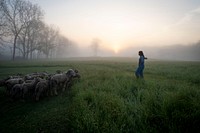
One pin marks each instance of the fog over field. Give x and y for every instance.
(173, 52)
(78, 66)
(167, 30)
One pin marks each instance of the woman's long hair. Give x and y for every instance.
(142, 54)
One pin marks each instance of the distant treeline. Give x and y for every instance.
(180, 52)
(190, 52)
(25, 35)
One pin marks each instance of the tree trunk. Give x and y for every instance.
(14, 47)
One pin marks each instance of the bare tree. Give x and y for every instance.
(34, 36)
(16, 18)
(62, 45)
(48, 41)
(65, 47)
(3, 25)
(22, 22)
(95, 46)
(27, 37)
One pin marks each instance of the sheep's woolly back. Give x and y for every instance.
(59, 78)
(14, 81)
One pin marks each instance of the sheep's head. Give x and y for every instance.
(73, 73)
(70, 73)
(77, 74)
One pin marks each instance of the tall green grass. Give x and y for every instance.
(108, 98)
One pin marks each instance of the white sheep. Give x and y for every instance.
(61, 80)
(11, 82)
(29, 88)
(16, 91)
(42, 88)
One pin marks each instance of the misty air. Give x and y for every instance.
(99, 66)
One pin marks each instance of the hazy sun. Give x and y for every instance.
(116, 49)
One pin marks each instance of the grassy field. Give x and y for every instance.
(108, 98)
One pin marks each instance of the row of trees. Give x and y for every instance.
(22, 29)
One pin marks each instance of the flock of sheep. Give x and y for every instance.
(36, 85)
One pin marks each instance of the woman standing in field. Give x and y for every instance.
(139, 71)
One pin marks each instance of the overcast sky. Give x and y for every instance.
(125, 23)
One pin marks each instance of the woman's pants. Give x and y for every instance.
(139, 72)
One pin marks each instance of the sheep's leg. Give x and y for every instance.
(21, 92)
(55, 91)
(38, 94)
(68, 84)
(51, 91)
(12, 93)
(47, 92)
(25, 91)
(8, 90)
(35, 93)
(59, 86)
(64, 85)
(17, 93)
(32, 93)
(54, 87)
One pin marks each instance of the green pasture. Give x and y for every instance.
(108, 98)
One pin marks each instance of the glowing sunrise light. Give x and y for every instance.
(121, 24)
(116, 49)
